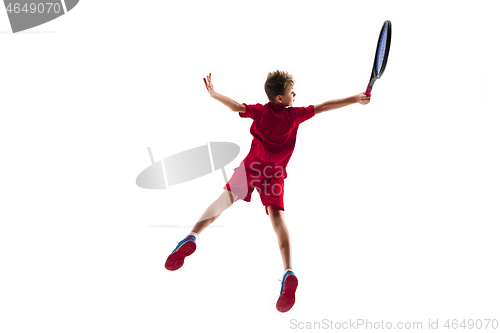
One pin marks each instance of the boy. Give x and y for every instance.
(274, 131)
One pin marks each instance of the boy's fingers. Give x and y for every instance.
(206, 84)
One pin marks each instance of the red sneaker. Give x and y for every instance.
(287, 294)
(185, 248)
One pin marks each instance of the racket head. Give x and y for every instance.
(383, 48)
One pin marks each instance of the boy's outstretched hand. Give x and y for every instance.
(209, 85)
(234, 106)
(362, 98)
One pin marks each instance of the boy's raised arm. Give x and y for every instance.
(234, 106)
(360, 98)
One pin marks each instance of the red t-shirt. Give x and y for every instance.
(274, 131)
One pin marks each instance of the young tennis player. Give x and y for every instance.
(274, 131)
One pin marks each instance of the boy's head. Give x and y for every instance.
(279, 88)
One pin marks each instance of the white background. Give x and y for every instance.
(393, 208)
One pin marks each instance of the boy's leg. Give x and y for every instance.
(289, 283)
(225, 200)
(188, 245)
(279, 226)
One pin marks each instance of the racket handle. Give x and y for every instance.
(368, 91)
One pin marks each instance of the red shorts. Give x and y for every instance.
(243, 183)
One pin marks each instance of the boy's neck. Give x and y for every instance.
(276, 104)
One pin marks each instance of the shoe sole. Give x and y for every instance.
(176, 259)
(287, 298)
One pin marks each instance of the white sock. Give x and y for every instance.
(192, 234)
(287, 271)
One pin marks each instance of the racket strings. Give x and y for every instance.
(381, 51)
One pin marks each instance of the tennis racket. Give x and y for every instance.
(381, 55)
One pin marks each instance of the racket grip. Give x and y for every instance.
(368, 91)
